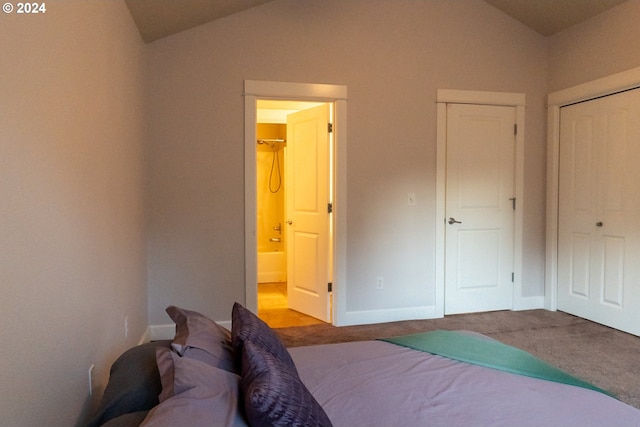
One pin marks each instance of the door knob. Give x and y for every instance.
(599, 224)
(453, 221)
(290, 222)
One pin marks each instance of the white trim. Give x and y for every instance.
(367, 317)
(250, 209)
(288, 90)
(605, 86)
(618, 82)
(146, 337)
(553, 174)
(225, 324)
(253, 90)
(441, 178)
(510, 99)
(340, 214)
(529, 303)
(518, 244)
(453, 96)
(162, 332)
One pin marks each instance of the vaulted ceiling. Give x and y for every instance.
(161, 18)
(548, 17)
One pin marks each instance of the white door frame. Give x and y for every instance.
(508, 99)
(601, 87)
(258, 89)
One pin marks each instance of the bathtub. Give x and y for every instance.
(272, 267)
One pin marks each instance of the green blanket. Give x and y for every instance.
(487, 352)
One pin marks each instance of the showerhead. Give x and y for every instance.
(268, 143)
(271, 142)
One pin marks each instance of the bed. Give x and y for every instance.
(209, 376)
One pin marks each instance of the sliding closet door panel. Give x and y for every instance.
(615, 198)
(599, 218)
(620, 207)
(578, 189)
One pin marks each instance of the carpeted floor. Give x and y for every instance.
(607, 358)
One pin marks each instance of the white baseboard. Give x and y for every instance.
(162, 332)
(271, 276)
(367, 317)
(225, 324)
(146, 337)
(388, 315)
(168, 331)
(528, 303)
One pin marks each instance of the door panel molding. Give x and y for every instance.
(509, 99)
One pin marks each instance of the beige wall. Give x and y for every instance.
(601, 46)
(72, 261)
(393, 56)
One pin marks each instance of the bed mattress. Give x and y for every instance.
(376, 383)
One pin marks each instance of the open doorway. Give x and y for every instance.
(255, 90)
(293, 211)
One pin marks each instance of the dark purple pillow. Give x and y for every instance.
(246, 326)
(274, 395)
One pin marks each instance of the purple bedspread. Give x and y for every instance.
(375, 383)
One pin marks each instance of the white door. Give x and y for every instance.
(307, 199)
(599, 211)
(479, 208)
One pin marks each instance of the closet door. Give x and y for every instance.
(599, 218)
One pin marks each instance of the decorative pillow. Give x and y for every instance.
(134, 384)
(246, 326)
(273, 393)
(199, 337)
(195, 394)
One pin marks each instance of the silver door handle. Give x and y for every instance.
(453, 221)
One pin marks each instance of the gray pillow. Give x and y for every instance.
(198, 337)
(246, 326)
(274, 395)
(195, 394)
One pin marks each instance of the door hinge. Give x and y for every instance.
(513, 279)
(330, 207)
(330, 287)
(329, 127)
(513, 203)
(515, 129)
